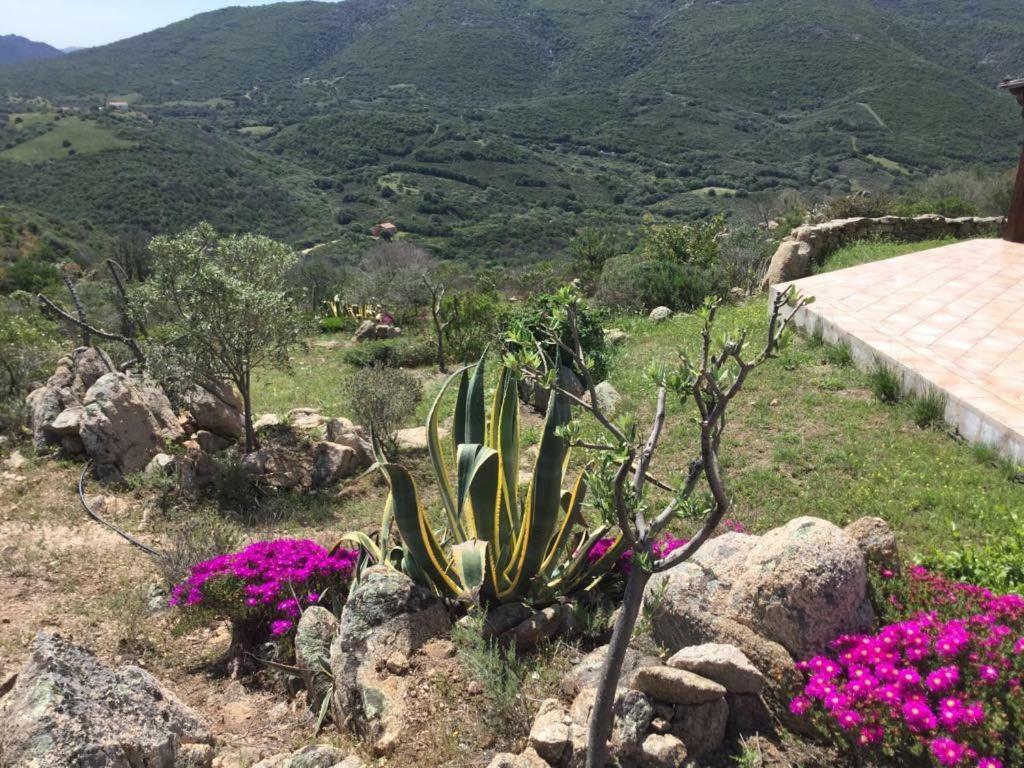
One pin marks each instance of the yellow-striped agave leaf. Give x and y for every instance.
(420, 543)
(437, 457)
(543, 508)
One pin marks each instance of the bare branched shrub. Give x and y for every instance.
(381, 398)
(199, 538)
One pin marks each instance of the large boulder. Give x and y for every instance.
(371, 330)
(799, 586)
(217, 407)
(118, 430)
(660, 314)
(877, 543)
(67, 708)
(387, 614)
(803, 585)
(280, 467)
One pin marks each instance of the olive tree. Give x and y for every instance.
(705, 383)
(224, 309)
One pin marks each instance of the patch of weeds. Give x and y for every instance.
(885, 385)
(988, 456)
(498, 668)
(839, 355)
(832, 382)
(594, 621)
(199, 538)
(128, 605)
(929, 411)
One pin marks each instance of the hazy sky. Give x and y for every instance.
(66, 23)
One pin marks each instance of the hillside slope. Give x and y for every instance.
(457, 117)
(15, 50)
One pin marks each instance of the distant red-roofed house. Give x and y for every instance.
(385, 230)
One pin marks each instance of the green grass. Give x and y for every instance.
(807, 437)
(85, 136)
(872, 250)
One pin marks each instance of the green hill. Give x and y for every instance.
(15, 50)
(458, 117)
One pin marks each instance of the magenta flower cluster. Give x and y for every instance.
(277, 579)
(943, 685)
(663, 547)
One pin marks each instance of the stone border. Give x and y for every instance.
(807, 245)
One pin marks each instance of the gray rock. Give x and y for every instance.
(370, 330)
(676, 686)
(344, 432)
(386, 614)
(550, 735)
(587, 673)
(280, 467)
(608, 398)
(615, 336)
(701, 727)
(117, 428)
(217, 407)
(313, 637)
(159, 405)
(196, 470)
(266, 421)
(210, 442)
(662, 751)
(660, 314)
(877, 543)
(542, 625)
(312, 756)
(69, 708)
(333, 463)
(724, 664)
(68, 421)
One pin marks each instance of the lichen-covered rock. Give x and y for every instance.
(529, 759)
(877, 543)
(68, 421)
(386, 614)
(344, 432)
(118, 430)
(280, 467)
(305, 418)
(313, 637)
(726, 664)
(312, 756)
(65, 389)
(371, 330)
(676, 686)
(587, 672)
(634, 712)
(660, 314)
(159, 406)
(68, 708)
(802, 586)
(217, 407)
(608, 398)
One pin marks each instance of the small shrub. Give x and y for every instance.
(928, 411)
(839, 354)
(536, 313)
(334, 325)
(199, 538)
(885, 384)
(381, 398)
(634, 284)
(395, 353)
(997, 564)
(499, 670)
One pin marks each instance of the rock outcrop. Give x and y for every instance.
(69, 708)
(807, 245)
(64, 390)
(217, 408)
(371, 330)
(387, 614)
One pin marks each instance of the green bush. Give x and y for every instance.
(394, 353)
(382, 398)
(635, 284)
(479, 317)
(928, 411)
(28, 353)
(334, 325)
(536, 314)
(997, 564)
(885, 384)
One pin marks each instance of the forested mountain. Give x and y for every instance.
(469, 120)
(15, 49)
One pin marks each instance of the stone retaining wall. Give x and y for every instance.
(807, 245)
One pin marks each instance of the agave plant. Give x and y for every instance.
(492, 540)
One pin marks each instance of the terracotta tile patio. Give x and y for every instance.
(948, 319)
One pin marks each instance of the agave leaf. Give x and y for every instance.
(505, 440)
(476, 415)
(437, 458)
(571, 513)
(470, 560)
(543, 501)
(363, 541)
(420, 543)
(459, 417)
